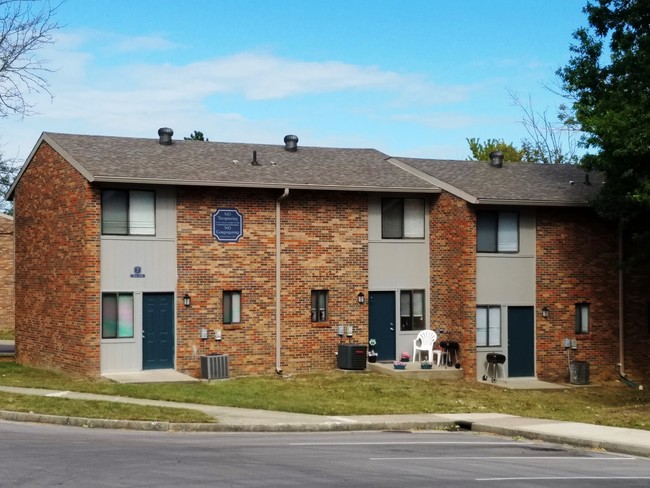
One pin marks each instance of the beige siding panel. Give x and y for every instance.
(125, 355)
(156, 259)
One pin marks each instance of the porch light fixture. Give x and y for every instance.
(187, 301)
(361, 298)
(545, 312)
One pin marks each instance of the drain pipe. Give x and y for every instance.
(621, 338)
(278, 287)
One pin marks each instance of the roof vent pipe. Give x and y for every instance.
(496, 159)
(291, 143)
(587, 182)
(165, 134)
(254, 162)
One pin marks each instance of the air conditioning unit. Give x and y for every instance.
(214, 366)
(352, 356)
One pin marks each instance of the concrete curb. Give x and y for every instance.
(92, 423)
(570, 440)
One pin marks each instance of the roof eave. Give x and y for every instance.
(531, 203)
(45, 137)
(248, 184)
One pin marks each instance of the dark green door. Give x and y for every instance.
(521, 341)
(157, 330)
(381, 323)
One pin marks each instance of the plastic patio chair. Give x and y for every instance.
(424, 342)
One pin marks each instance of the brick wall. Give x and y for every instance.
(6, 273)
(577, 261)
(57, 217)
(324, 246)
(453, 275)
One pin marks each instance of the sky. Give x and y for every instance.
(411, 78)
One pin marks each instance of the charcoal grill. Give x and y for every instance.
(451, 348)
(493, 361)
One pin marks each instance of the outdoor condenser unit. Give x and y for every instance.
(214, 366)
(352, 356)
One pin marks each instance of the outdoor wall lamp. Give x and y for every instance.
(545, 312)
(350, 330)
(361, 298)
(187, 301)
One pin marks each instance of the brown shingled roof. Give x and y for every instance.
(514, 183)
(124, 159)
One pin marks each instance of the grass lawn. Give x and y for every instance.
(338, 393)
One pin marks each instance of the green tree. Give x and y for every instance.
(26, 26)
(8, 171)
(481, 150)
(608, 79)
(196, 136)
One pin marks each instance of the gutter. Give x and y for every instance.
(278, 287)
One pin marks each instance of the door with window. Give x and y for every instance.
(381, 323)
(157, 330)
(521, 341)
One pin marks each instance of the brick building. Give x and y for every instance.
(6, 273)
(135, 254)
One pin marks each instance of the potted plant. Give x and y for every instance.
(372, 354)
(405, 357)
(399, 365)
(426, 365)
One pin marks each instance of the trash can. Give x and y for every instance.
(579, 373)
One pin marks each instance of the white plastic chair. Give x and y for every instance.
(424, 342)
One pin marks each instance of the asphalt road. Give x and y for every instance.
(45, 456)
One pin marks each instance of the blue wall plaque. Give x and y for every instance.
(227, 225)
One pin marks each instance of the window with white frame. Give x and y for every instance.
(232, 307)
(128, 212)
(582, 318)
(319, 305)
(488, 326)
(497, 232)
(411, 309)
(402, 218)
(117, 315)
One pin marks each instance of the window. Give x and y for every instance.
(497, 232)
(128, 212)
(318, 305)
(411, 309)
(232, 307)
(117, 315)
(488, 326)
(582, 318)
(402, 218)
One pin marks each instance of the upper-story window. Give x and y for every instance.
(497, 231)
(129, 212)
(402, 218)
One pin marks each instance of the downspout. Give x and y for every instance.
(278, 287)
(621, 338)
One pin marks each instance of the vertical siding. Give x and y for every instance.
(156, 256)
(395, 265)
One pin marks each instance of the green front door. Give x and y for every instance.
(157, 330)
(521, 341)
(382, 323)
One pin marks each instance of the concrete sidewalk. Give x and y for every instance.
(628, 441)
